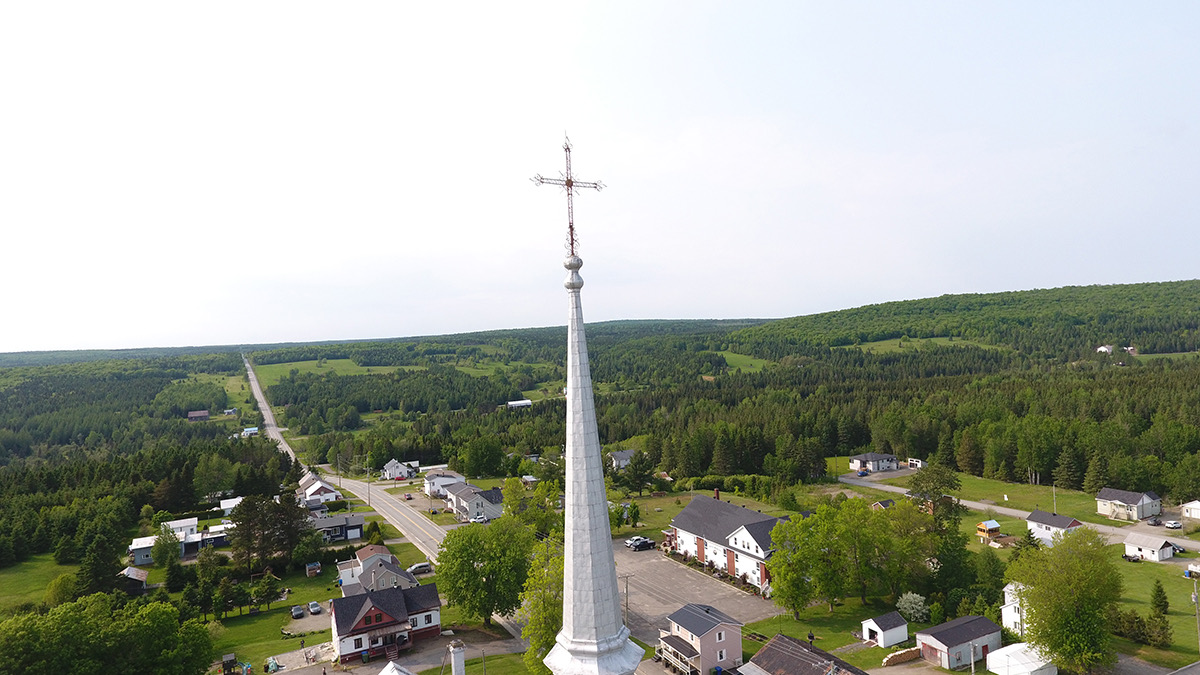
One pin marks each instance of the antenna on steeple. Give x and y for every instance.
(568, 183)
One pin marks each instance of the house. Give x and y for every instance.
(1148, 547)
(191, 540)
(133, 580)
(1191, 510)
(381, 623)
(227, 505)
(229, 411)
(436, 482)
(1012, 612)
(316, 507)
(1104, 349)
(783, 655)
(914, 463)
(873, 461)
(315, 487)
(1045, 525)
(1126, 505)
(736, 540)
(883, 504)
(339, 527)
(959, 643)
(987, 531)
(620, 458)
(529, 482)
(468, 501)
(397, 470)
(373, 568)
(1020, 659)
(198, 416)
(700, 638)
(887, 630)
(249, 431)
(517, 405)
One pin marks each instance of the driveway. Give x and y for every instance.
(658, 586)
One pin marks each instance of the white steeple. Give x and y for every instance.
(593, 639)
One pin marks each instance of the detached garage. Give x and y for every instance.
(1019, 659)
(959, 643)
(1148, 547)
(887, 630)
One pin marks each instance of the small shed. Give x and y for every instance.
(1148, 547)
(1019, 659)
(197, 415)
(887, 630)
(987, 531)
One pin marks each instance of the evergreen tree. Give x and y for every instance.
(1096, 478)
(1158, 599)
(99, 568)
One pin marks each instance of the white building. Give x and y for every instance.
(227, 505)
(1019, 659)
(468, 501)
(1126, 505)
(1148, 547)
(887, 630)
(1045, 525)
(873, 461)
(1191, 510)
(959, 643)
(437, 481)
(397, 470)
(1012, 613)
(736, 540)
(381, 623)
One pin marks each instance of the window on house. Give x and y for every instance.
(368, 619)
(378, 618)
(358, 643)
(720, 636)
(720, 654)
(428, 619)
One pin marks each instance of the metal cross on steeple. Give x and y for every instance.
(571, 185)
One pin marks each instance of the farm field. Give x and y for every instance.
(747, 364)
(894, 344)
(26, 582)
(272, 373)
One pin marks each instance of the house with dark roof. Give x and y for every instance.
(468, 501)
(959, 643)
(1045, 526)
(1149, 547)
(373, 568)
(783, 655)
(340, 526)
(873, 461)
(883, 504)
(887, 630)
(620, 458)
(700, 638)
(197, 416)
(381, 623)
(1126, 505)
(734, 539)
(397, 470)
(437, 481)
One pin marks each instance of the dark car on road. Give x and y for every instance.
(643, 545)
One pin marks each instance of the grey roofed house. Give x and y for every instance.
(685, 648)
(961, 630)
(396, 602)
(1123, 496)
(715, 520)
(761, 531)
(620, 458)
(1053, 520)
(699, 619)
(883, 504)
(889, 621)
(784, 655)
(872, 456)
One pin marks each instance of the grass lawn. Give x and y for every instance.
(1139, 580)
(389, 530)
(832, 630)
(1025, 497)
(502, 664)
(27, 581)
(441, 517)
(747, 364)
(255, 637)
(272, 373)
(893, 345)
(654, 522)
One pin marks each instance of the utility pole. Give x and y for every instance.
(972, 657)
(1196, 602)
(626, 578)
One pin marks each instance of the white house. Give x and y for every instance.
(959, 643)
(397, 470)
(736, 540)
(1191, 509)
(227, 505)
(620, 458)
(468, 501)
(1126, 505)
(887, 630)
(873, 461)
(249, 431)
(436, 482)
(186, 529)
(313, 486)
(914, 463)
(381, 623)
(1020, 659)
(1045, 525)
(1104, 349)
(1012, 613)
(1148, 547)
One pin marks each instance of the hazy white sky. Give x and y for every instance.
(236, 172)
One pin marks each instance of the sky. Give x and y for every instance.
(176, 174)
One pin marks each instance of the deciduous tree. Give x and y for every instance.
(482, 568)
(541, 602)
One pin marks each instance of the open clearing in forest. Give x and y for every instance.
(897, 345)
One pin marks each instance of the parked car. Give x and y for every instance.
(863, 473)
(1131, 558)
(314, 607)
(297, 612)
(1155, 521)
(1173, 524)
(643, 545)
(479, 519)
(408, 496)
(633, 541)
(1178, 548)
(420, 568)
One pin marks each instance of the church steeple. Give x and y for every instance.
(593, 639)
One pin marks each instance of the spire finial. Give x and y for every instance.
(568, 183)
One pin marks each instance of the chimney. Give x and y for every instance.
(717, 494)
(457, 659)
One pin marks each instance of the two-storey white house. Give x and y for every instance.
(1126, 505)
(468, 501)
(397, 470)
(736, 540)
(1012, 613)
(436, 482)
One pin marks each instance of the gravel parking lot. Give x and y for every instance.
(658, 586)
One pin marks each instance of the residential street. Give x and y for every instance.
(269, 427)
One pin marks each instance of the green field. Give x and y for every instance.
(272, 373)
(896, 345)
(1176, 356)
(747, 364)
(27, 581)
(1025, 497)
(1139, 580)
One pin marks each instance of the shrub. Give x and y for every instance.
(937, 614)
(913, 608)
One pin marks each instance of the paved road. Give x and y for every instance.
(1116, 535)
(417, 529)
(269, 426)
